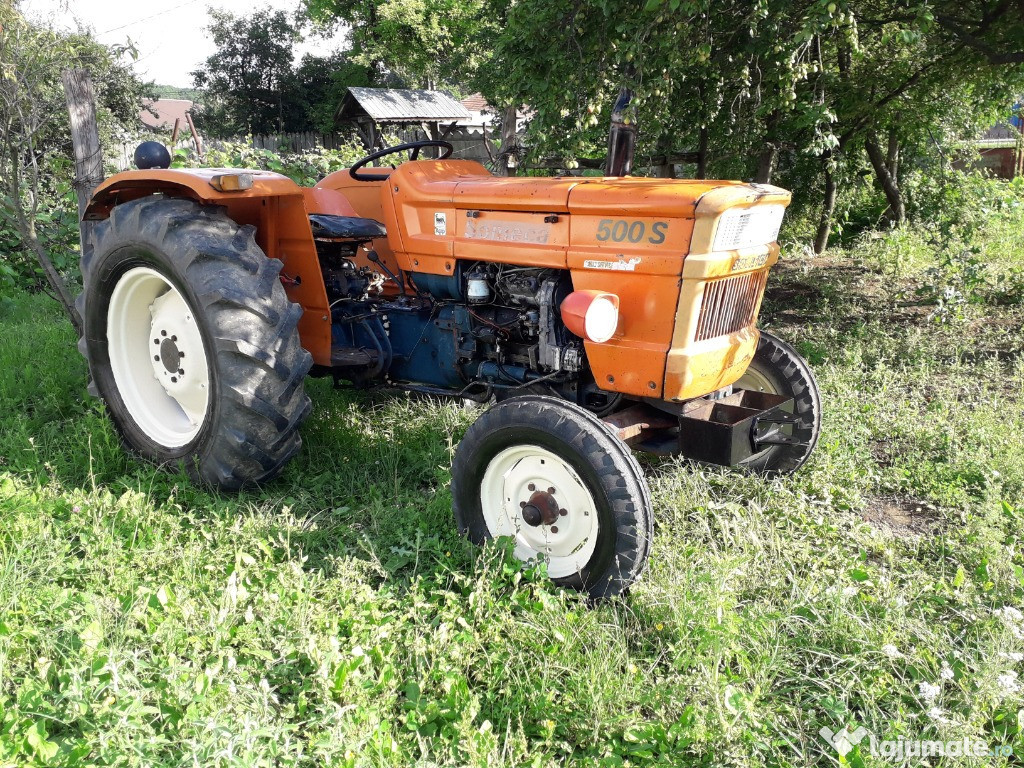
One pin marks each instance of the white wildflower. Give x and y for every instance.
(849, 591)
(1008, 682)
(1012, 619)
(1014, 657)
(938, 715)
(1009, 614)
(946, 673)
(891, 651)
(929, 693)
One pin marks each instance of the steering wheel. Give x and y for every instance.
(415, 146)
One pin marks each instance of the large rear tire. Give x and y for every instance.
(778, 369)
(558, 480)
(192, 342)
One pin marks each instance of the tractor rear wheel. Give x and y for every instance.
(557, 480)
(192, 343)
(778, 369)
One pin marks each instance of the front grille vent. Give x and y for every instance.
(730, 304)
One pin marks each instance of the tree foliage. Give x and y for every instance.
(246, 79)
(423, 43)
(252, 84)
(38, 210)
(809, 93)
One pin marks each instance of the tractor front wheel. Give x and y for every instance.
(778, 369)
(557, 480)
(192, 343)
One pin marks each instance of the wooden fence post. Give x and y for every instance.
(85, 139)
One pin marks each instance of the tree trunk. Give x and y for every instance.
(893, 155)
(85, 136)
(769, 155)
(702, 153)
(766, 164)
(85, 140)
(509, 117)
(828, 205)
(897, 212)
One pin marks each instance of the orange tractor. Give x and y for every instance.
(595, 315)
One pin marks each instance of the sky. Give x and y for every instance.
(170, 35)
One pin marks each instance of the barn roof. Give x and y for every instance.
(400, 105)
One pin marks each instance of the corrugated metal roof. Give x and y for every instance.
(396, 105)
(1001, 131)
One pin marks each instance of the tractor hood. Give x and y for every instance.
(466, 185)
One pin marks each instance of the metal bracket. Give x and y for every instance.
(775, 435)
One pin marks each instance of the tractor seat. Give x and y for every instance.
(327, 226)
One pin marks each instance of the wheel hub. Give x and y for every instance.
(535, 496)
(170, 355)
(541, 509)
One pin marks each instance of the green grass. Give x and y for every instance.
(337, 619)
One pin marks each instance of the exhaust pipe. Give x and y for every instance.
(621, 137)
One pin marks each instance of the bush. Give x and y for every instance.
(304, 168)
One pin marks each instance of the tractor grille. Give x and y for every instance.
(730, 304)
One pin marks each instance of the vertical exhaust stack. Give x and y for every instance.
(621, 137)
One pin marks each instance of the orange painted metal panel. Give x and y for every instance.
(649, 245)
(526, 193)
(512, 237)
(192, 182)
(634, 196)
(423, 213)
(633, 361)
(288, 237)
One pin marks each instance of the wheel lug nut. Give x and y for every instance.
(163, 333)
(181, 371)
(551, 490)
(554, 529)
(522, 504)
(174, 379)
(563, 512)
(532, 487)
(156, 357)
(174, 338)
(156, 341)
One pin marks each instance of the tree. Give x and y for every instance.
(432, 44)
(805, 92)
(320, 84)
(425, 43)
(38, 210)
(246, 82)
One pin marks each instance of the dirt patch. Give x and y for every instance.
(902, 517)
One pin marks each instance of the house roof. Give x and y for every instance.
(167, 110)
(400, 105)
(475, 103)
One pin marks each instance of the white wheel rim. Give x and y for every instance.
(568, 543)
(755, 381)
(149, 324)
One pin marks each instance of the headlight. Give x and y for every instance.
(746, 227)
(592, 315)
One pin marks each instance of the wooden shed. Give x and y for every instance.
(368, 109)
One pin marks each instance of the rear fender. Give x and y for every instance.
(275, 205)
